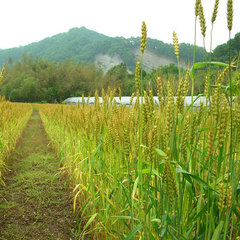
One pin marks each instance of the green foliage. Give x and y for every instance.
(36, 80)
(221, 52)
(83, 45)
(70, 72)
(118, 76)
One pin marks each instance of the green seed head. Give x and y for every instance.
(1, 75)
(230, 14)
(202, 20)
(144, 37)
(229, 197)
(214, 15)
(197, 7)
(137, 76)
(159, 90)
(221, 197)
(175, 44)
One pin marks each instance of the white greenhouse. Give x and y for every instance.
(126, 100)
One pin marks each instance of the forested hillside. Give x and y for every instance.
(221, 52)
(84, 45)
(65, 65)
(36, 79)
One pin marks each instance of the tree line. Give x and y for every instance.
(36, 80)
(40, 80)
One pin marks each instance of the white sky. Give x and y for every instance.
(26, 21)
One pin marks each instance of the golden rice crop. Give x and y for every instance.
(146, 178)
(166, 171)
(13, 118)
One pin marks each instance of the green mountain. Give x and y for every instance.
(221, 52)
(84, 45)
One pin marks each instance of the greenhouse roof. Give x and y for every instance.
(126, 100)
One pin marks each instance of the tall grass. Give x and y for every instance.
(153, 172)
(181, 188)
(13, 118)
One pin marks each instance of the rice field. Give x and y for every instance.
(13, 118)
(150, 171)
(155, 171)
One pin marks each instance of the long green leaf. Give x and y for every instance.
(153, 171)
(126, 218)
(133, 232)
(135, 187)
(90, 221)
(203, 64)
(217, 232)
(190, 106)
(196, 178)
(160, 152)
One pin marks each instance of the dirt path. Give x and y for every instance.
(35, 204)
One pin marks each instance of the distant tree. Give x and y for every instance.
(118, 76)
(221, 52)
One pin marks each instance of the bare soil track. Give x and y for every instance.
(36, 202)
